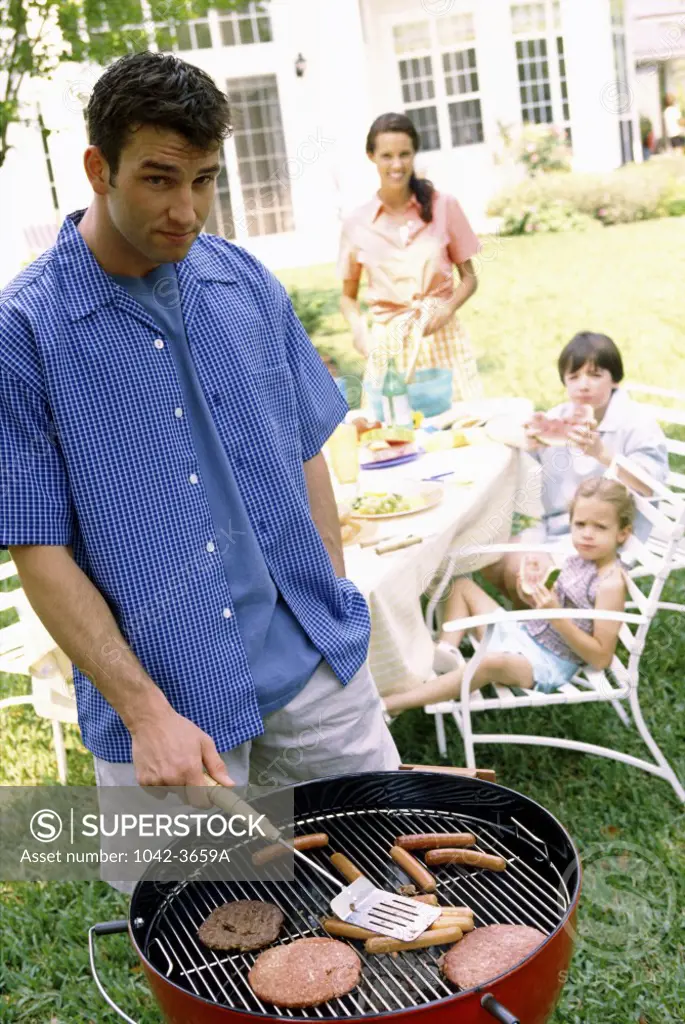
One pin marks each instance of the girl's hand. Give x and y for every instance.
(545, 597)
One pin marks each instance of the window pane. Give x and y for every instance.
(528, 18)
(534, 84)
(456, 28)
(264, 29)
(227, 32)
(459, 78)
(466, 123)
(203, 36)
(259, 133)
(246, 30)
(412, 37)
(183, 40)
(425, 121)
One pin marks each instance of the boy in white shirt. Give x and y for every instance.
(591, 368)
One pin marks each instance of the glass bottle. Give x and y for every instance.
(396, 407)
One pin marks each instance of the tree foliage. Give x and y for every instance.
(37, 35)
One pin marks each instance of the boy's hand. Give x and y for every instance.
(532, 441)
(588, 440)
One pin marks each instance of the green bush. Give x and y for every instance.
(543, 148)
(545, 217)
(310, 308)
(632, 193)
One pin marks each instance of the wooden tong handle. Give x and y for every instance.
(486, 774)
(227, 800)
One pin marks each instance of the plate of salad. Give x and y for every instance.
(405, 500)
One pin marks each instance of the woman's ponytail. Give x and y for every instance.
(424, 191)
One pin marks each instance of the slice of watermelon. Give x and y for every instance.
(552, 577)
(554, 430)
(531, 574)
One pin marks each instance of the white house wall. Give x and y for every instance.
(351, 76)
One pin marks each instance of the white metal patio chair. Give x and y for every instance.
(616, 685)
(673, 416)
(27, 649)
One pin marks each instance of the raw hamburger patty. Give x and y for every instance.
(305, 972)
(487, 952)
(243, 924)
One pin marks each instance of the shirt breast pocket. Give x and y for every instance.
(274, 394)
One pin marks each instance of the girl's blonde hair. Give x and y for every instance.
(613, 493)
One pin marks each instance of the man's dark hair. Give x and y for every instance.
(155, 89)
(597, 349)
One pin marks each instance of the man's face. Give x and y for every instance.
(162, 194)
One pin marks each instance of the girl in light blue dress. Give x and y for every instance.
(544, 655)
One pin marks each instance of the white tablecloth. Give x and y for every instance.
(401, 651)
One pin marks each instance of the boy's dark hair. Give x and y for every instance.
(155, 89)
(597, 349)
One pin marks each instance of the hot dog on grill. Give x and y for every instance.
(414, 868)
(343, 930)
(434, 937)
(311, 841)
(345, 866)
(473, 858)
(435, 840)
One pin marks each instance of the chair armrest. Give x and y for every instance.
(540, 614)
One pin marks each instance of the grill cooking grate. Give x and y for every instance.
(531, 891)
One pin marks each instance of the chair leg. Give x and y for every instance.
(467, 736)
(440, 734)
(60, 751)
(654, 749)
(622, 713)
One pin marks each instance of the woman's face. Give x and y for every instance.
(393, 156)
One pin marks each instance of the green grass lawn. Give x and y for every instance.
(629, 966)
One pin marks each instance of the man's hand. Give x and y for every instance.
(169, 750)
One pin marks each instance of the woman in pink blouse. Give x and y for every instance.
(408, 238)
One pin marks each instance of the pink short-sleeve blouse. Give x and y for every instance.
(406, 260)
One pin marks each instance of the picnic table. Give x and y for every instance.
(490, 481)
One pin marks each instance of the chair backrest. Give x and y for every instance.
(668, 416)
(665, 510)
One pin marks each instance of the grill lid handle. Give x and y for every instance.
(496, 1010)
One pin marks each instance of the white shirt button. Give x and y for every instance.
(210, 546)
(178, 413)
(193, 478)
(227, 613)
(159, 343)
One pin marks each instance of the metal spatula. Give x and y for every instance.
(360, 902)
(387, 913)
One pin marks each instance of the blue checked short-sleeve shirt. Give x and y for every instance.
(96, 453)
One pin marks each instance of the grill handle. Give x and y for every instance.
(106, 928)
(496, 1010)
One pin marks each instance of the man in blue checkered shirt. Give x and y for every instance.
(163, 491)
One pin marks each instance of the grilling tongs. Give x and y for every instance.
(359, 903)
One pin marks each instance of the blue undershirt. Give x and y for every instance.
(281, 656)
